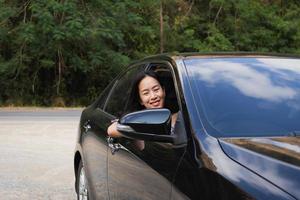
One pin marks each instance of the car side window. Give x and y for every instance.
(119, 97)
(102, 99)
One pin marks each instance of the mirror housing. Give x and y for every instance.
(149, 124)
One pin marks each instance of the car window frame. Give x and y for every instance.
(141, 65)
(101, 101)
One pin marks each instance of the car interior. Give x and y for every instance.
(166, 79)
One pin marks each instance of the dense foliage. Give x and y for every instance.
(64, 52)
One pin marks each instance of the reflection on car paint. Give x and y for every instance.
(282, 174)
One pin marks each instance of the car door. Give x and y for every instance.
(94, 146)
(134, 172)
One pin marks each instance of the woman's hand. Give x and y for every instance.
(112, 130)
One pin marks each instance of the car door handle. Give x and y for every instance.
(114, 147)
(87, 126)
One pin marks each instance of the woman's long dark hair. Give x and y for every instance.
(134, 101)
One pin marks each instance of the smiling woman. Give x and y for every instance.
(151, 93)
(147, 93)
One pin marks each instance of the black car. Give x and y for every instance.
(239, 136)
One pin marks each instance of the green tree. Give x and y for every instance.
(65, 52)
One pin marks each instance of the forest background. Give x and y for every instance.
(64, 52)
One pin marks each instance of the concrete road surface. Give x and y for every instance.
(36, 153)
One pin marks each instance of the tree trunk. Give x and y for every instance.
(161, 28)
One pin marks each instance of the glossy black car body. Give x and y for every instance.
(238, 137)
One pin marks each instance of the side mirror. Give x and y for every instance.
(149, 124)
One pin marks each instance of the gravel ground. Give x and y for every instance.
(36, 148)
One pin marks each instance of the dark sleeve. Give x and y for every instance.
(179, 130)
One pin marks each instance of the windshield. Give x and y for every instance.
(247, 96)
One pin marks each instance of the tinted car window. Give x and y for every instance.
(104, 95)
(118, 98)
(247, 96)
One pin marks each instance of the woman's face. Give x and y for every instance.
(152, 95)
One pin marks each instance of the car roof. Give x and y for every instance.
(174, 57)
(178, 56)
